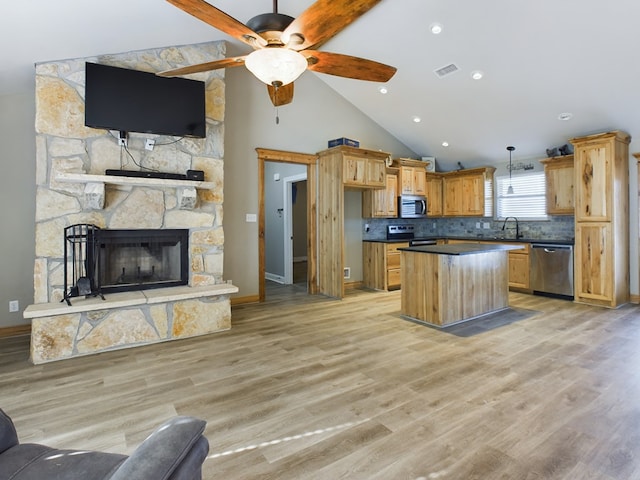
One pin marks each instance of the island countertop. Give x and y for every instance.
(460, 248)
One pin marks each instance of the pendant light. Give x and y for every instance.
(510, 189)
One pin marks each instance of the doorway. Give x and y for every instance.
(309, 161)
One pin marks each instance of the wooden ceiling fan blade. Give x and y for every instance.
(281, 95)
(220, 20)
(323, 20)
(204, 67)
(348, 66)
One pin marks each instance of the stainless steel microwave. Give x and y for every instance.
(412, 206)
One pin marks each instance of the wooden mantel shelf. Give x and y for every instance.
(133, 181)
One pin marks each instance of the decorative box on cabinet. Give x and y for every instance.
(560, 177)
(601, 262)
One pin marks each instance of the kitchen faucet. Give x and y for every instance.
(517, 226)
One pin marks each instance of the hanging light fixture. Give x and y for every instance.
(510, 189)
(276, 66)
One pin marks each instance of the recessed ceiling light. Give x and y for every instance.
(417, 119)
(445, 144)
(383, 90)
(477, 74)
(565, 116)
(436, 28)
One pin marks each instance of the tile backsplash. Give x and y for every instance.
(555, 228)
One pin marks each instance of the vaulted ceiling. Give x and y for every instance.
(539, 60)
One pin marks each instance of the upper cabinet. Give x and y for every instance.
(434, 194)
(412, 176)
(382, 202)
(559, 174)
(362, 168)
(468, 192)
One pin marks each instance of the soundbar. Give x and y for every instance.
(191, 174)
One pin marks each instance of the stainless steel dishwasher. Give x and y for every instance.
(551, 271)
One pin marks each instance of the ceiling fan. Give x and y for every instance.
(283, 45)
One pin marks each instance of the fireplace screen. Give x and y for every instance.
(141, 259)
(103, 261)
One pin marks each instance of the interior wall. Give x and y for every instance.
(17, 204)
(299, 220)
(274, 216)
(316, 115)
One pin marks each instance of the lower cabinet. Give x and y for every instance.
(381, 265)
(519, 262)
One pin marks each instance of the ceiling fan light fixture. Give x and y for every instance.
(276, 65)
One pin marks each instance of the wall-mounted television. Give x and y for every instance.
(134, 101)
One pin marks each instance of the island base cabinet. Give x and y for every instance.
(447, 289)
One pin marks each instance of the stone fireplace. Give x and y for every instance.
(72, 188)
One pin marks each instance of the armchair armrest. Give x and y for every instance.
(8, 434)
(175, 450)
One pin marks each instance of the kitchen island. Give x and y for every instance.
(447, 284)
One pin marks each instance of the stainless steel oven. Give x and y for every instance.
(412, 206)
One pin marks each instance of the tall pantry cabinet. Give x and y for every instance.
(601, 263)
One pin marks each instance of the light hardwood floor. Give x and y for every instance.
(312, 388)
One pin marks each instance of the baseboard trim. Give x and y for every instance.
(243, 300)
(15, 331)
(353, 285)
(274, 278)
(635, 299)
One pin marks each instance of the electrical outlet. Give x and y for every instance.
(14, 306)
(366, 227)
(347, 272)
(149, 144)
(486, 225)
(477, 224)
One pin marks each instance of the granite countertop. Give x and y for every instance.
(483, 239)
(460, 248)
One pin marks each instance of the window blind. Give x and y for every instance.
(528, 200)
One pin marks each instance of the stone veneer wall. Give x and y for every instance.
(65, 145)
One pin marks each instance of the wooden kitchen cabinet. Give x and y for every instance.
(465, 192)
(338, 168)
(601, 179)
(560, 177)
(412, 176)
(381, 265)
(363, 171)
(434, 194)
(519, 266)
(382, 203)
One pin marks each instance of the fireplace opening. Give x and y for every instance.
(141, 259)
(106, 261)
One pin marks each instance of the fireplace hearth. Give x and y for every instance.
(107, 261)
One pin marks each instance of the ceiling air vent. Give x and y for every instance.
(446, 70)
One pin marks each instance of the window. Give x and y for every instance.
(528, 200)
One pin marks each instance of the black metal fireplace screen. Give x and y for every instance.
(101, 261)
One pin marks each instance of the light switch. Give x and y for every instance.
(251, 218)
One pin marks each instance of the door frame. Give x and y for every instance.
(311, 161)
(288, 225)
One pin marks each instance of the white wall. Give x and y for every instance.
(17, 204)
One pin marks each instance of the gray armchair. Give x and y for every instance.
(174, 451)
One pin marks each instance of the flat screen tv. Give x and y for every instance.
(133, 101)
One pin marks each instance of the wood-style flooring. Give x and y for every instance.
(306, 387)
